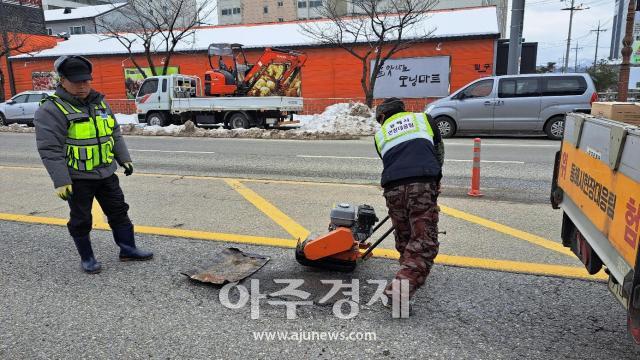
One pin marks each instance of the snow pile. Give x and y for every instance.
(17, 128)
(190, 130)
(351, 119)
(126, 118)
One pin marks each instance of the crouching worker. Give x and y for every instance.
(80, 145)
(412, 154)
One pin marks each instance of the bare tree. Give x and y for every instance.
(154, 28)
(10, 43)
(376, 32)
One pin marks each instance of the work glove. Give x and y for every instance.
(64, 192)
(128, 168)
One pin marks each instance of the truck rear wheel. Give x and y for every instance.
(157, 119)
(238, 121)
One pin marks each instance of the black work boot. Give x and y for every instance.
(89, 263)
(125, 239)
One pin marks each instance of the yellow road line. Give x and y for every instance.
(505, 265)
(98, 217)
(33, 219)
(523, 235)
(288, 224)
(442, 259)
(204, 235)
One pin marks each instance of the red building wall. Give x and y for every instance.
(24, 43)
(330, 74)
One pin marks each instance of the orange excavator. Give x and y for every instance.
(276, 73)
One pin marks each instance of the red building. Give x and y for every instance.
(467, 37)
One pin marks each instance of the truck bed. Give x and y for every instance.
(280, 103)
(600, 178)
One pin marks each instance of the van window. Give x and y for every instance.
(149, 87)
(564, 85)
(479, 90)
(519, 87)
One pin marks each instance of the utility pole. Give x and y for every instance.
(575, 68)
(571, 10)
(623, 81)
(515, 37)
(597, 31)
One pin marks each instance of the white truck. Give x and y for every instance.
(163, 100)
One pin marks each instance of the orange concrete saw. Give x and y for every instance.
(346, 243)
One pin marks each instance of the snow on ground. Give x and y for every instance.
(126, 118)
(344, 118)
(339, 121)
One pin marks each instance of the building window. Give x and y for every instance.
(76, 30)
(280, 3)
(265, 10)
(315, 3)
(236, 10)
(49, 31)
(302, 4)
(280, 19)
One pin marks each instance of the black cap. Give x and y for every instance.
(389, 107)
(74, 68)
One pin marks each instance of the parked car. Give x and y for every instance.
(21, 108)
(514, 104)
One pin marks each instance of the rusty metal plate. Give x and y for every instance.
(229, 265)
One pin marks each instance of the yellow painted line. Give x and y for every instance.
(33, 219)
(523, 235)
(288, 224)
(98, 217)
(505, 265)
(152, 230)
(442, 259)
(204, 235)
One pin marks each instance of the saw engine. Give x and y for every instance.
(345, 244)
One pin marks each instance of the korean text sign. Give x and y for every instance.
(413, 78)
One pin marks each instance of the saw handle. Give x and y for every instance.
(384, 236)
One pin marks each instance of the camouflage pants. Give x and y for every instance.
(414, 211)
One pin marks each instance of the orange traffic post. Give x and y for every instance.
(475, 173)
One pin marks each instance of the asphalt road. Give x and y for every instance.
(149, 310)
(512, 169)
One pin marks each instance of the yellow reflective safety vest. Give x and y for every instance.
(405, 143)
(89, 142)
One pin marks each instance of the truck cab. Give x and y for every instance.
(154, 98)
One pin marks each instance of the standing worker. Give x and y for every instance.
(78, 140)
(412, 155)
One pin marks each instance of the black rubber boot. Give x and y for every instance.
(88, 262)
(125, 239)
